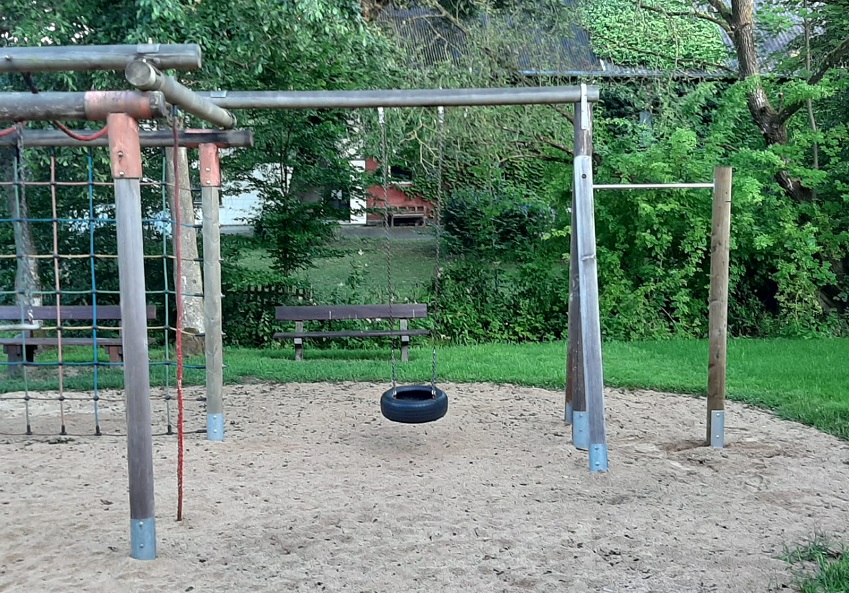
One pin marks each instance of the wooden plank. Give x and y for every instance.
(575, 395)
(68, 313)
(18, 340)
(334, 312)
(720, 240)
(351, 334)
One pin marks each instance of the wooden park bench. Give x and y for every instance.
(415, 214)
(22, 348)
(401, 312)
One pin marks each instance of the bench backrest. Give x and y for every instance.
(333, 312)
(69, 313)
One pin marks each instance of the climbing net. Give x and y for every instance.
(60, 321)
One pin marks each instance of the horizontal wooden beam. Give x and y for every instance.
(68, 58)
(149, 139)
(91, 105)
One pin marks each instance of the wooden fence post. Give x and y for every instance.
(718, 306)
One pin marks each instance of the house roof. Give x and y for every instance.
(434, 39)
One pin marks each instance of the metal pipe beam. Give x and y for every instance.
(59, 58)
(149, 139)
(398, 98)
(654, 186)
(91, 105)
(146, 77)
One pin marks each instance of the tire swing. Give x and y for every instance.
(412, 404)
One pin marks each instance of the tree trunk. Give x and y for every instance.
(190, 281)
(27, 282)
(768, 120)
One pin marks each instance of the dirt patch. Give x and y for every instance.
(315, 491)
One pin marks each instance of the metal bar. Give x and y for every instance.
(210, 175)
(398, 98)
(123, 134)
(653, 186)
(150, 139)
(720, 240)
(146, 77)
(90, 105)
(68, 58)
(588, 283)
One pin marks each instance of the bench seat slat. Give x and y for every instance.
(69, 313)
(19, 341)
(351, 334)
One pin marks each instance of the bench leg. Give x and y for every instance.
(405, 343)
(115, 353)
(14, 354)
(299, 348)
(16, 358)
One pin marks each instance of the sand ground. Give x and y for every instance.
(314, 490)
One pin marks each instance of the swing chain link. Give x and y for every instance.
(438, 224)
(384, 165)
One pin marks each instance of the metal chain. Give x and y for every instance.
(438, 223)
(384, 164)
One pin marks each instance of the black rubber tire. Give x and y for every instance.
(414, 404)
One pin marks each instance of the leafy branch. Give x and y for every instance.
(688, 14)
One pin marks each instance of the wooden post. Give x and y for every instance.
(210, 178)
(125, 155)
(718, 306)
(593, 379)
(575, 397)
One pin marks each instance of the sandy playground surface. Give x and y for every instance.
(315, 491)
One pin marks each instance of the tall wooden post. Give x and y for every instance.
(720, 248)
(593, 376)
(125, 155)
(576, 402)
(210, 179)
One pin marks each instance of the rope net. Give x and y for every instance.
(60, 322)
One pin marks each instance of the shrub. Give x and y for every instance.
(482, 223)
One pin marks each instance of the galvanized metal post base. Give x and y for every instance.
(215, 427)
(717, 429)
(143, 539)
(581, 430)
(569, 413)
(598, 458)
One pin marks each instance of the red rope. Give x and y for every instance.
(178, 269)
(82, 137)
(11, 130)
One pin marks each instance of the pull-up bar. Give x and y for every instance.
(718, 297)
(654, 186)
(399, 98)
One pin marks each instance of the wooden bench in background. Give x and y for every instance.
(22, 348)
(377, 313)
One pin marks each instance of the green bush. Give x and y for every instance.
(500, 224)
(295, 232)
(480, 302)
(249, 300)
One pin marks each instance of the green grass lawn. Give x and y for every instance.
(412, 263)
(802, 380)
